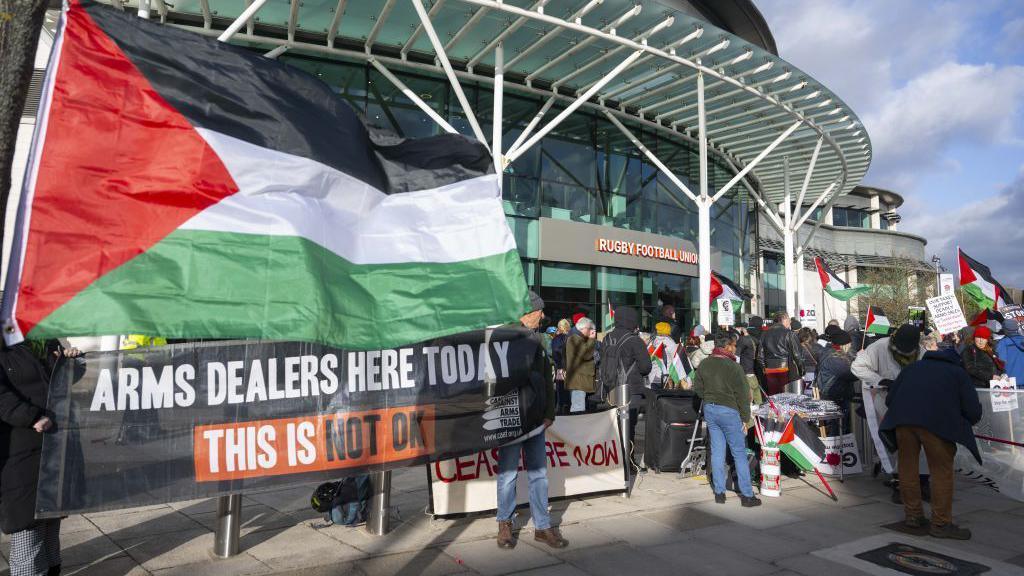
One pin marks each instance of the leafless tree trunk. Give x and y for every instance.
(895, 289)
(20, 24)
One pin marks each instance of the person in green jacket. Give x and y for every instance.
(533, 451)
(580, 368)
(722, 386)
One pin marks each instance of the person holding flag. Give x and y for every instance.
(669, 367)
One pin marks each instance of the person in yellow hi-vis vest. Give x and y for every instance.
(138, 426)
(133, 341)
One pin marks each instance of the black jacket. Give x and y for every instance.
(558, 350)
(979, 365)
(623, 349)
(834, 377)
(746, 349)
(935, 393)
(780, 348)
(23, 391)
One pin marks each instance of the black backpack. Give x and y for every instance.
(345, 502)
(611, 371)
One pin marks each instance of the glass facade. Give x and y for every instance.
(585, 170)
(851, 217)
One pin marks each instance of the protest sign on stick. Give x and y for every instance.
(946, 313)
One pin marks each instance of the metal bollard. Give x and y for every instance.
(229, 521)
(378, 520)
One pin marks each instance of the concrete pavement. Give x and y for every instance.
(668, 526)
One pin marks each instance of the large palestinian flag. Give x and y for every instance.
(722, 287)
(186, 188)
(836, 286)
(977, 281)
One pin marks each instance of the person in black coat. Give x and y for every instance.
(932, 405)
(624, 357)
(980, 360)
(24, 386)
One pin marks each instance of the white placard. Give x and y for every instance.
(1004, 395)
(726, 316)
(584, 456)
(809, 316)
(945, 284)
(849, 455)
(946, 313)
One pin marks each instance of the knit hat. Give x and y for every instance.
(983, 332)
(536, 302)
(795, 324)
(907, 339)
(830, 330)
(838, 336)
(576, 317)
(663, 328)
(1010, 326)
(698, 331)
(756, 322)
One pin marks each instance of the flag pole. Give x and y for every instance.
(864, 334)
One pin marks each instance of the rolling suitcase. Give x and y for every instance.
(670, 422)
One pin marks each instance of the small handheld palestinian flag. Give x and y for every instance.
(609, 318)
(677, 369)
(977, 281)
(182, 187)
(877, 322)
(834, 285)
(657, 354)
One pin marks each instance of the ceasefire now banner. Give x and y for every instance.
(191, 421)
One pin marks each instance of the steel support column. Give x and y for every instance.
(787, 240)
(499, 91)
(703, 212)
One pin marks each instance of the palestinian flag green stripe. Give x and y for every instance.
(848, 293)
(203, 284)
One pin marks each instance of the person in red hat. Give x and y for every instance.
(980, 359)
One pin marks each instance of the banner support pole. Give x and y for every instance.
(378, 519)
(229, 522)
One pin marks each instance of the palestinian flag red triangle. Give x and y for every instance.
(186, 188)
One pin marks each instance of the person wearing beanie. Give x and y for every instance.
(625, 361)
(980, 359)
(834, 378)
(795, 325)
(1010, 350)
(659, 376)
(877, 366)
(532, 452)
(932, 405)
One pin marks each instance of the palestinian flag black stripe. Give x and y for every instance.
(220, 194)
(977, 281)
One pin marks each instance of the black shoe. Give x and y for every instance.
(720, 498)
(750, 501)
(896, 498)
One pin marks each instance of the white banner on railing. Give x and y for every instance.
(584, 456)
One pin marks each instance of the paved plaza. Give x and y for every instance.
(668, 526)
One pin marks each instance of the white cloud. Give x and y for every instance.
(961, 103)
(989, 230)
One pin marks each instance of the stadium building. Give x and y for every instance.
(645, 145)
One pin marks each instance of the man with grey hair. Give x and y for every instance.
(580, 367)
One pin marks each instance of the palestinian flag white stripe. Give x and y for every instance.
(877, 322)
(836, 286)
(304, 198)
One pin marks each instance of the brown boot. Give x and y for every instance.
(505, 538)
(551, 536)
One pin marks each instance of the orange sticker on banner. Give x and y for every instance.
(308, 444)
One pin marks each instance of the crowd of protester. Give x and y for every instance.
(931, 399)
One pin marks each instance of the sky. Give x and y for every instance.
(939, 87)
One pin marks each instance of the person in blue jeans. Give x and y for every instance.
(534, 454)
(722, 387)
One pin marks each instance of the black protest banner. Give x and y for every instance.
(188, 421)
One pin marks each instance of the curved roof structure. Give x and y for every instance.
(887, 196)
(641, 64)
